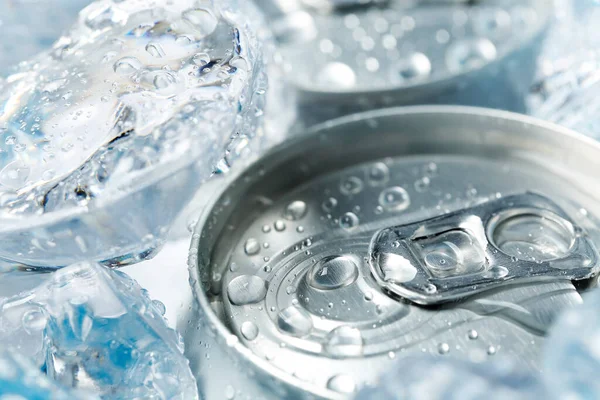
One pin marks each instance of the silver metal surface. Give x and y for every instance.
(402, 52)
(457, 255)
(307, 319)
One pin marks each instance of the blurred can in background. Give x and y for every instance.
(344, 56)
(452, 231)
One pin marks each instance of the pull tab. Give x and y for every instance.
(515, 239)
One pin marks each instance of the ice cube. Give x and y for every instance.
(567, 86)
(20, 379)
(572, 354)
(429, 378)
(30, 26)
(104, 138)
(97, 330)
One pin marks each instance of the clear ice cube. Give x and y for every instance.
(30, 26)
(572, 354)
(20, 379)
(567, 88)
(428, 378)
(95, 329)
(105, 137)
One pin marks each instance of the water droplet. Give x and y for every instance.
(252, 247)
(201, 59)
(394, 199)
(155, 50)
(290, 289)
(300, 229)
(378, 174)
(14, 175)
(279, 225)
(341, 384)
(413, 68)
(337, 75)
(229, 392)
(159, 306)
(497, 272)
(344, 341)
(492, 23)
(351, 185)
(332, 272)
(430, 288)
(266, 229)
(349, 221)
(329, 205)
(295, 321)
(422, 184)
(34, 320)
(164, 79)
(249, 330)
(127, 65)
(431, 169)
(295, 211)
(472, 334)
(202, 19)
(443, 348)
(470, 54)
(491, 350)
(369, 296)
(246, 289)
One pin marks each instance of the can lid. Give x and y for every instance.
(293, 254)
(511, 240)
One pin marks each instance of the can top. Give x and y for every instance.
(288, 254)
(390, 45)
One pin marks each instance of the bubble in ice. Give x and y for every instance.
(100, 323)
(453, 380)
(135, 102)
(246, 289)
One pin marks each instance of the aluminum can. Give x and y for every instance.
(456, 231)
(355, 55)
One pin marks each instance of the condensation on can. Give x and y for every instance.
(391, 53)
(286, 303)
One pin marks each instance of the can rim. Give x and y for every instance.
(200, 298)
